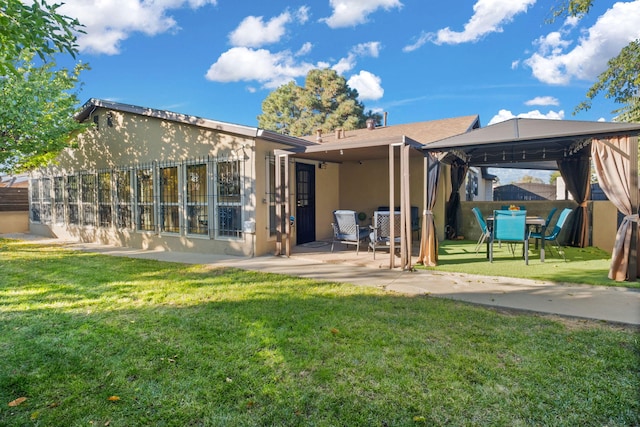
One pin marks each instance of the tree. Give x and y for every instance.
(530, 179)
(36, 114)
(553, 178)
(36, 101)
(621, 80)
(325, 102)
(36, 28)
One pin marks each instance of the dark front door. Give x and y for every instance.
(305, 203)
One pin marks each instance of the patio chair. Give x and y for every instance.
(346, 229)
(510, 226)
(483, 228)
(380, 236)
(415, 217)
(552, 212)
(557, 229)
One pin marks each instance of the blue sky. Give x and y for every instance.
(415, 59)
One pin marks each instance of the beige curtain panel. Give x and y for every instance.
(612, 158)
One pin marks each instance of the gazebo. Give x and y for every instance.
(564, 145)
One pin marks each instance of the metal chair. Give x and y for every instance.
(557, 229)
(346, 229)
(483, 228)
(510, 226)
(380, 236)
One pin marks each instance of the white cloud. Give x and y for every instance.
(349, 13)
(543, 100)
(245, 64)
(108, 23)
(367, 84)
(422, 39)
(254, 32)
(305, 49)
(363, 49)
(535, 114)
(553, 64)
(489, 17)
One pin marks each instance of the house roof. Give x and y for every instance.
(366, 144)
(527, 143)
(92, 104)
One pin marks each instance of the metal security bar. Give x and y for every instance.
(88, 198)
(105, 213)
(229, 196)
(169, 203)
(59, 216)
(197, 200)
(144, 198)
(123, 195)
(72, 200)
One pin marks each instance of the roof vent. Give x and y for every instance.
(371, 124)
(319, 135)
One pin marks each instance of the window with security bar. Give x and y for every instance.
(145, 207)
(88, 199)
(124, 217)
(228, 199)
(169, 203)
(36, 206)
(58, 200)
(197, 199)
(45, 213)
(105, 217)
(271, 195)
(72, 200)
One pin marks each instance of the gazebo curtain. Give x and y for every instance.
(612, 160)
(429, 242)
(576, 174)
(458, 174)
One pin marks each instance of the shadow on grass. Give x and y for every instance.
(190, 345)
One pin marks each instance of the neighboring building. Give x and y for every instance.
(155, 179)
(525, 191)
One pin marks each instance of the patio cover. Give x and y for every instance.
(563, 145)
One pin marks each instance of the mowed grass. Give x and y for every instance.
(588, 265)
(93, 340)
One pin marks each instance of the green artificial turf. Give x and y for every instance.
(588, 265)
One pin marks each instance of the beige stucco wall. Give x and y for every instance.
(604, 225)
(14, 222)
(365, 186)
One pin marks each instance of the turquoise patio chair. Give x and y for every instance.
(486, 234)
(510, 226)
(555, 233)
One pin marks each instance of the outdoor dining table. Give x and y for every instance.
(530, 221)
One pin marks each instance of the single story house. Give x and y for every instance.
(155, 179)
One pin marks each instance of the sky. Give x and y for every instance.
(416, 60)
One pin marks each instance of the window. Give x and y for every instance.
(104, 199)
(197, 199)
(123, 199)
(45, 213)
(228, 202)
(169, 203)
(145, 210)
(36, 207)
(72, 200)
(271, 194)
(88, 199)
(58, 200)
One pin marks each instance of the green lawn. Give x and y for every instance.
(583, 265)
(93, 340)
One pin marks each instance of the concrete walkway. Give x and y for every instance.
(611, 304)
